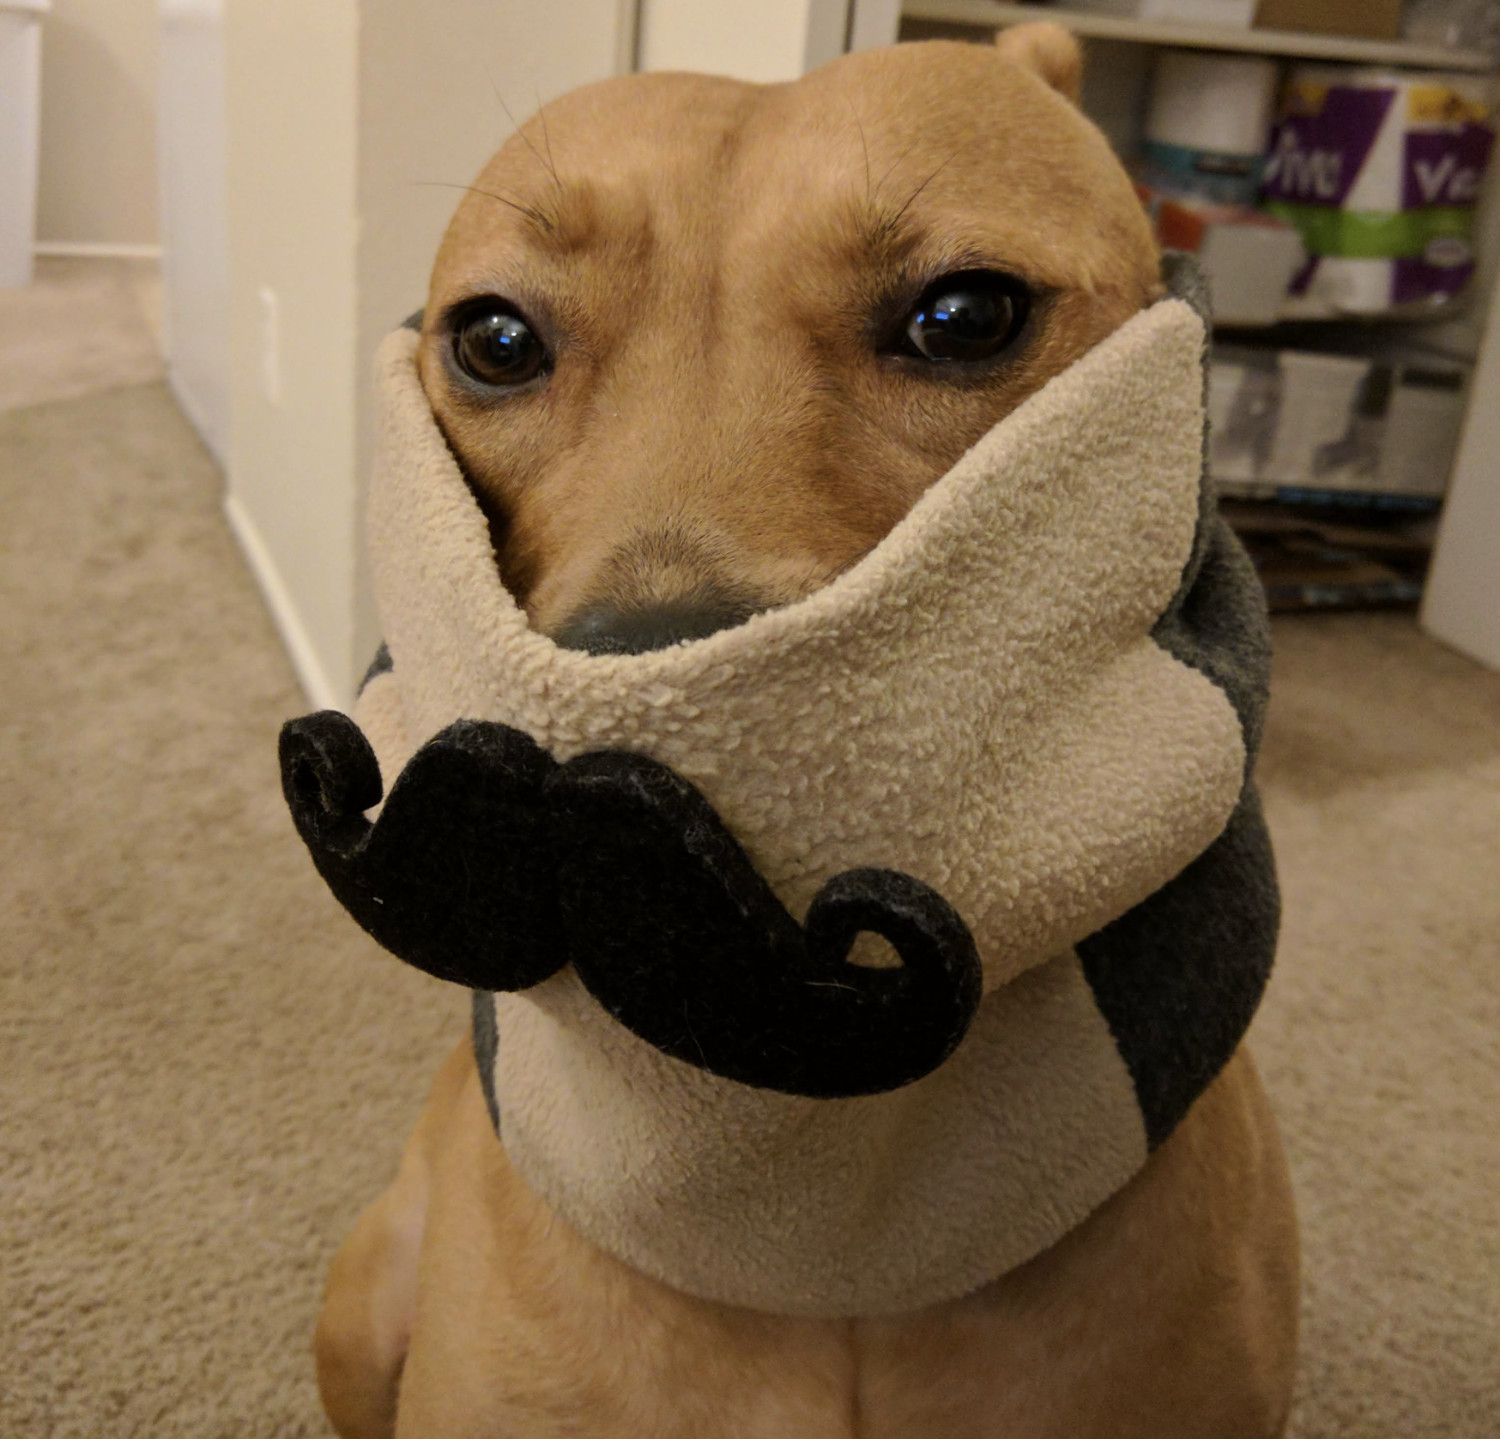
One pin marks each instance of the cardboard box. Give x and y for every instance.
(1249, 257)
(1382, 426)
(1365, 19)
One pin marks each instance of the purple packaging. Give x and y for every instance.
(1380, 173)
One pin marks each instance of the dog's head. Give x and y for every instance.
(699, 344)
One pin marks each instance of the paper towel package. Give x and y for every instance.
(1206, 125)
(1381, 173)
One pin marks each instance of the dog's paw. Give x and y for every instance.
(675, 934)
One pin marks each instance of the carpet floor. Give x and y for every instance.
(83, 325)
(207, 1071)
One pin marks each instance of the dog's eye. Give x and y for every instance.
(972, 315)
(494, 345)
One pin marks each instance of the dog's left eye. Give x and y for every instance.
(972, 315)
(494, 345)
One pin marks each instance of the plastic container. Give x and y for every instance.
(20, 119)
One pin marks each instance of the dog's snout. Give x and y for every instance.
(605, 629)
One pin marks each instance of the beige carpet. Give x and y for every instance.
(1380, 1037)
(85, 325)
(205, 1071)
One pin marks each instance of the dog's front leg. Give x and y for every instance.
(370, 1298)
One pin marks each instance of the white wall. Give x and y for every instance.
(1461, 605)
(293, 227)
(439, 85)
(767, 40)
(192, 136)
(349, 121)
(98, 133)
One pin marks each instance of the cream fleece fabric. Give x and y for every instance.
(978, 703)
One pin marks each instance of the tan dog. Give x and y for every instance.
(699, 345)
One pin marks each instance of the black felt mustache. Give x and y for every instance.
(494, 866)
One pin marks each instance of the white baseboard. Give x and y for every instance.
(313, 674)
(197, 417)
(95, 250)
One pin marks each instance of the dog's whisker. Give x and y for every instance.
(864, 144)
(539, 218)
(850, 563)
(541, 115)
(545, 161)
(890, 223)
(896, 165)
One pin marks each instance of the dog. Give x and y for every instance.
(698, 346)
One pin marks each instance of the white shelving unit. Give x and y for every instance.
(992, 14)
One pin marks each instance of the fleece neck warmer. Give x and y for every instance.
(1014, 741)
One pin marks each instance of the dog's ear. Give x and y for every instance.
(1049, 50)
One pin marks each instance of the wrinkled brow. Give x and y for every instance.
(578, 216)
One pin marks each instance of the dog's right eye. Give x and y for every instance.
(964, 318)
(495, 346)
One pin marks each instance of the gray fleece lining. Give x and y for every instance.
(1217, 621)
(382, 664)
(1179, 977)
(486, 1046)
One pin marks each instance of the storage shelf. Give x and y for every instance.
(1312, 496)
(994, 15)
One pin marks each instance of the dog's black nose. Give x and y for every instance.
(608, 630)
